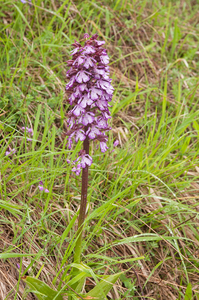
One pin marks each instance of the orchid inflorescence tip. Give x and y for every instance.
(90, 92)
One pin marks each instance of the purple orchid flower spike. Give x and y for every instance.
(90, 92)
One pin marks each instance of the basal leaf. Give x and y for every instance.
(188, 293)
(102, 288)
(44, 292)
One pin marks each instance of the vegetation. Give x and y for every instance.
(143, 209)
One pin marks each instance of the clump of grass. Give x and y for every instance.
(143, 197)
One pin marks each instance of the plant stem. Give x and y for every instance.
(82, 213)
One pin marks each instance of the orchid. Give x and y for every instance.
(90, 92)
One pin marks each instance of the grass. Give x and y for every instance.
(143, 215)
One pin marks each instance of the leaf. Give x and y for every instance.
(102, 288)
(12, 208)
(188, 293)
(9, 255)
(42, 290)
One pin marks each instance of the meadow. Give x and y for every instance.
(143, 196)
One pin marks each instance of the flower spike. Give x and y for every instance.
(89, 90)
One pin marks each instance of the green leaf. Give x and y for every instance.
(12, 208)
(10, 255)
(42, 290)
(188, 293)
(102, 288)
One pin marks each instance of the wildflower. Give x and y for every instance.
(10, 152)
(29, 131)
(24, 1)
(41, 187)
(116, 143)
(90, 92)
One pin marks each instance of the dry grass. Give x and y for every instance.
(154, 66)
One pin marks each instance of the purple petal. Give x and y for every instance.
(107, 97)
(106, 77)
(86, 160)
(77, 110)
(68, 86)
(116, 143)
(86, 36)
(77, 93)
(110, 90)
(106, 115)
(106, 86)
(102, 123)
(71, 121)
(100, 43)
(95, 93)
(79, 60)
(74, 51)
(97, 76)
(89, 62)
(12, 151)
(46, 191)
(72, 99)
(99, 71)
(89, 50)
(80, 135)
(85, 101)
(104, 59)
(82, 87)
(29, 130)
(87, 118)
(103, 84)
(101, 104)
(69, 144)
(103, 146)
(82, 77)
(77, 169)
(41, 188)
(93, 132)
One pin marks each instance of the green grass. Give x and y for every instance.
(143, 197)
